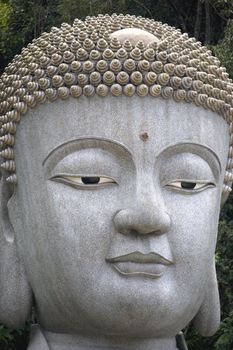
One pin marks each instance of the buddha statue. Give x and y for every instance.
(112, 186)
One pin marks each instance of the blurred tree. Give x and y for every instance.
(5, 23)
(23, 20)
(224, 50)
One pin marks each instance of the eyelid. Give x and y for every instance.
(109, 146)
(177, 164)
(174, 184)
(209, 155)
(75, 180)
(166, 182)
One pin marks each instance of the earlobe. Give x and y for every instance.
(15, 292)
(207, 320)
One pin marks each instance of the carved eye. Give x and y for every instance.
(84, 181)
(190, 185)
(90, 180)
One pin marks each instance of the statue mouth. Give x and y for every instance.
(137, 264)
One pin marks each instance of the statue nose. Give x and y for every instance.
(147, 215)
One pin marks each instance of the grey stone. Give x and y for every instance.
(127, 262)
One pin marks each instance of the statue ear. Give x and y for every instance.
(207, 320)
(15, 292)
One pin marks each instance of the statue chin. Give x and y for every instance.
(108, 229)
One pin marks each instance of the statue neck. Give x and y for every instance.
(55, 341)
(76, 342)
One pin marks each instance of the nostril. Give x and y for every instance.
(123, 221)
(129, 231)
(125, 231)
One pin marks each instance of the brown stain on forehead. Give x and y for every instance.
(144, 136)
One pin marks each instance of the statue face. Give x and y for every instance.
(116, 212)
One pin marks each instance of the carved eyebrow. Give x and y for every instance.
(66, 148)
(201, 150)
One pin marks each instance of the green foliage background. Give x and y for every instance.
(209, 21)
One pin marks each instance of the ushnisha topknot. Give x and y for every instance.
(112, 55)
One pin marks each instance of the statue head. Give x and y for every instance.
(123, 160)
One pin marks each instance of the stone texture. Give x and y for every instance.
(72, 232)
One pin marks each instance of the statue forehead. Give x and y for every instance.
(122, 120)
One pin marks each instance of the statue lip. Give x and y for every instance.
(141, 258)
(137, 264)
